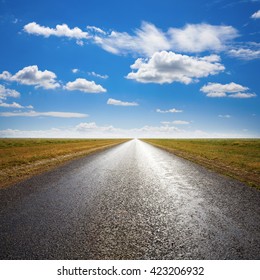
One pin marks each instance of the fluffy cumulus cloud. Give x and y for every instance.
(168, 67)
(43, 114)
(85, 86)
(173, 110)
(115, 102)
(232, 90)
(256, 15)
(61, 30)
(31, 75)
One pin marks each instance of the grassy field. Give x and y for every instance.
(22, 158)
(238, 158)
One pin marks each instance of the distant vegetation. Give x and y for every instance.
(22, 158)
(238, 158)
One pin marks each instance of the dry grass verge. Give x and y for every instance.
(237, 158)
(22, 158)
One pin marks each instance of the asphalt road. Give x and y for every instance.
(133, 201)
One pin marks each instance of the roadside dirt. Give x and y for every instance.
(250, 178)
(15, 174)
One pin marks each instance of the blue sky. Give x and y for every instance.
(182, 69)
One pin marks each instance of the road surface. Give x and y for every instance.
(133, 201)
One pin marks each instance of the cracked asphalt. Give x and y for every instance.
(132, 201)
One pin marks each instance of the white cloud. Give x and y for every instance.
(176, 122)
(5, 76)
(85, 86)
(92, 73)
(86, 126)
(256, 15)
(216, 94)
(173, 110)
(216, 87)
(43, 114)
(169, 67)
(31, 75)
(245, 53)
(14, 105)
(96, 29)
(80, 43)
(226, 90)
(155, 130)
(147, 39)
(224, 116)
(92, 130)
(82, 130)
(60, 31)
(201, 37)
(242, 95)
(179, 122)
(6, 92)
(115, 102)
(97, 75)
